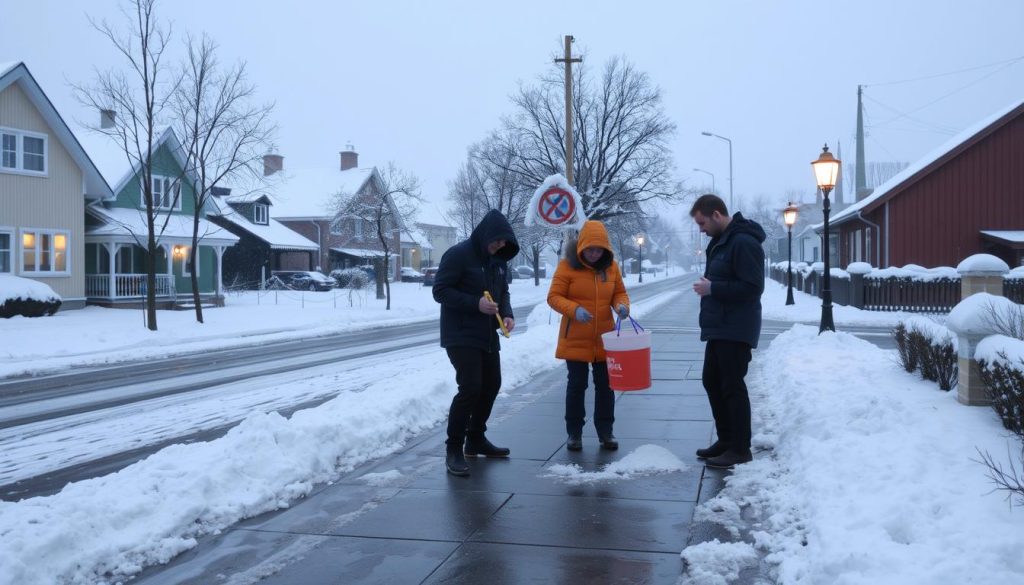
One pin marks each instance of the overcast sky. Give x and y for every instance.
(418, 82)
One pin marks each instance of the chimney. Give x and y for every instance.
(107, 119)
(272, 163)
(349, 158)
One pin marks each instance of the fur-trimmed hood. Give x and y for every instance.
(592, 234)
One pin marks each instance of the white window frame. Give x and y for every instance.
(9, 252)
(163, 181)
(19, 152)
(858, 243)
(357, 227)
(261, 214)
(37, 232)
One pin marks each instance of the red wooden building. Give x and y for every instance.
(967, 197)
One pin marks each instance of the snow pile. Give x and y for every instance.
(982, 313)
(993, 348)
(873, 477)
(716, 563)
(15, 287)
(915, 273)
(934, 332)
(385, 478)
(644, 460)
(983, 263)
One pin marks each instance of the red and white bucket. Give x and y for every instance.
(628, 352)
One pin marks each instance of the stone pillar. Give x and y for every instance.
(981, 273)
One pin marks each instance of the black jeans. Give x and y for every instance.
(575, 391)
(478, 376)
(725, 366)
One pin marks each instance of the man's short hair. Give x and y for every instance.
(707, 204)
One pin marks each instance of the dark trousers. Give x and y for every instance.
(725, 366)
(576, 390)
(478, 376)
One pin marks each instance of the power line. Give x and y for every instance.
(1007, 62)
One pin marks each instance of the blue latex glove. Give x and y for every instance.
(583, 315)
(623, 311)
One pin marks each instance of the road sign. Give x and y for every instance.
(556, 206)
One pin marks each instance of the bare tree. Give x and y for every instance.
(620, 138)
(767, 211)
(223, 133)
(389, 206)
(137, 99)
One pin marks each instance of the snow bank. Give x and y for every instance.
(872, 477)
(15, 287)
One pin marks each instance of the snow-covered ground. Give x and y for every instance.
(108, 528)
(865, 474)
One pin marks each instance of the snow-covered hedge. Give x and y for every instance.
(27, 298)
(925, 345)
(1001, 362)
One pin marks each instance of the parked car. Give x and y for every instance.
(524, 272)
(305, 279)
(410, 274)
(428, 275)
(370, 271)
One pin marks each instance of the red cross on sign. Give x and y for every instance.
(556, 206)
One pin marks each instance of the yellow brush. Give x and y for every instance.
(497, 316)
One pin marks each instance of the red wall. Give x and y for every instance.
(936, 220)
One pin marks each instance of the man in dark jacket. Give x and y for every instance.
(469, 332)
(730, 323)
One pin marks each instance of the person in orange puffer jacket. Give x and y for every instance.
(588, 291)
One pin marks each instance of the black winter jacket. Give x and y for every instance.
(735, 267)
(465, 272)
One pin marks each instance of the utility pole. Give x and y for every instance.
(860, 183)
(568, 60)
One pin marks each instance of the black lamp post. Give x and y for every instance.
(640, 247)
(826, 171)
(789, 216)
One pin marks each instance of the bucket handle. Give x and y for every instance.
(637, 328)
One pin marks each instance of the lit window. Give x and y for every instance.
(44, 251)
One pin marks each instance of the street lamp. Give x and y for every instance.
(789, 216)
(640, 247)
(826, 171)
(713, 190)
(730, 166)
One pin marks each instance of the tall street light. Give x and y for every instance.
(640, 247)
(826, 171)
(789, 216)
(731, 209)
(713, 190)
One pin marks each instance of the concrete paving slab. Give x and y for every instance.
(591, 522)
(498, 564)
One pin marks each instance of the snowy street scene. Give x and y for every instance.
(395, 293)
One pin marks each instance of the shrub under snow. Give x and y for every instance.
(25, 297)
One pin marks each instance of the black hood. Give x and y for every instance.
(493, 227)
(742, 225)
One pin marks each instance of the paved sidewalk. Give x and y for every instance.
(506, 524)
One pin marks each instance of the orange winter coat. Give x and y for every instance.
(598, 289)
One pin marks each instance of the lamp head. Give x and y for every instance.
(826, 171)
(789, 214)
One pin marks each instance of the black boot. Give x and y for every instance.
(455, 462)
(479, 445)
(574, 443)
(716, 449)
(609, 442)
(730, 458)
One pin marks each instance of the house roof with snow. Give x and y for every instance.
(131, 223)
(310, 193)
(926, 164)
(273, 233)
(94, 186)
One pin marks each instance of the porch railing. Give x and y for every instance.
(127, 286)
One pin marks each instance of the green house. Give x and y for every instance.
(116, 236)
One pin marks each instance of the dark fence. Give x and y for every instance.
(891, 294)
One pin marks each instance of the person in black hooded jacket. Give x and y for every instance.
(730, 323)
(469, 332)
